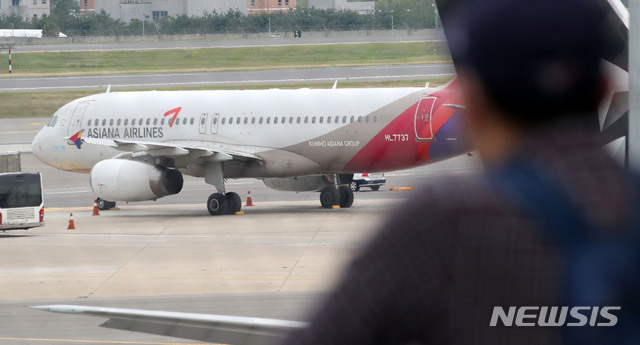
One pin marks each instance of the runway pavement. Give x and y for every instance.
(259, 77)
(274, 261)
(237, 43)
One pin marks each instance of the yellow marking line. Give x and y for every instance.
(89, 275)
(37, 123)
(68, 209)
(18, 132)
(94, 341)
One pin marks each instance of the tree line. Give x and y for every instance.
(65, 18)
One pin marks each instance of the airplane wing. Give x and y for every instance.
(220, 329)
(137, 148)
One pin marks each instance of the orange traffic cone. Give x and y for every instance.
(72, 225)
(96, 212)
(249, 203)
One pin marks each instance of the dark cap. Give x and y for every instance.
(536, 58)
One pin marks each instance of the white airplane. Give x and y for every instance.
(138, 145)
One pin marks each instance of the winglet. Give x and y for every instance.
(77, 139)
(108, 89)
(335, 85)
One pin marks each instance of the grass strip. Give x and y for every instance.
(216, 59)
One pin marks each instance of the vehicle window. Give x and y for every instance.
(224, 120)
(284, 120)
(238, 120)
(88, 122)
(246, 120)
(260, 121)
(126, 122)
(352, 119)
(148, 122)
(133, 122)
(344, 119)
(321, 119)
(359, 119)
(118, 122)
(104, 122)
(192, 121)
(375, 118)
(269, 120)
(111, 122)
(184, 121)
(313, 119)
(253, 120)
(155, 121)
(20, 190)
(215, 120)
(298, 120)
(96, 122)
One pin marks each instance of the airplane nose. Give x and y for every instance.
(37, 145)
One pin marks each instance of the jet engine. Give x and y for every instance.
(297, 184)
(125, 180)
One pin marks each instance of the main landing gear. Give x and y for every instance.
(341, 196)
(219, 204)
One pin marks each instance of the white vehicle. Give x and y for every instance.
(21, 201)
(370, 180)
(137, 145)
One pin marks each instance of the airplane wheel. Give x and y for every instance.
(375, 188)
(354, 186)
(234, 203)
(105, 205)
(346, 196)
(329, 196)
(217, 204)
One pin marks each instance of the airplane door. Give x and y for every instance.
(214, 123)
(75, 123)
(203, 123)
(423, 122)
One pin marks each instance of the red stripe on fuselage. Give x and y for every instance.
(389, 150)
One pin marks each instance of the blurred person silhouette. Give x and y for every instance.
(547, 236)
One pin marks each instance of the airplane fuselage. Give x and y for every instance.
(293, 132)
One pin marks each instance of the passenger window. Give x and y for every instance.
(359, 119)
(104, 122)
(237, 120)
(353, 119)
(111, 122)
(155, 121)
(192, 121)
(184, 121)
(177, 122)
(366, 119)
(133, 122)
(118, 122)
(321, 119)
(344, 119)
(337, 119)
(306, 119)
(268, 120)
(298, 120)
(215, 120)
(313, 120)
(88, 122)
(162, 122)
(96, 122)
(260, 121)
(284, 120)
(253, 120)
(375, 118)
(231, 120)
(224, 120)
(275, 120)
(126, 122)
(246, 120)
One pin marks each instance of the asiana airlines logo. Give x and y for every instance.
(529, 316)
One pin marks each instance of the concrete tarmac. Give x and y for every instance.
(200, 79)
(275, 261)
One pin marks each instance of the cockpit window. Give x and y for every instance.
(52, 121)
